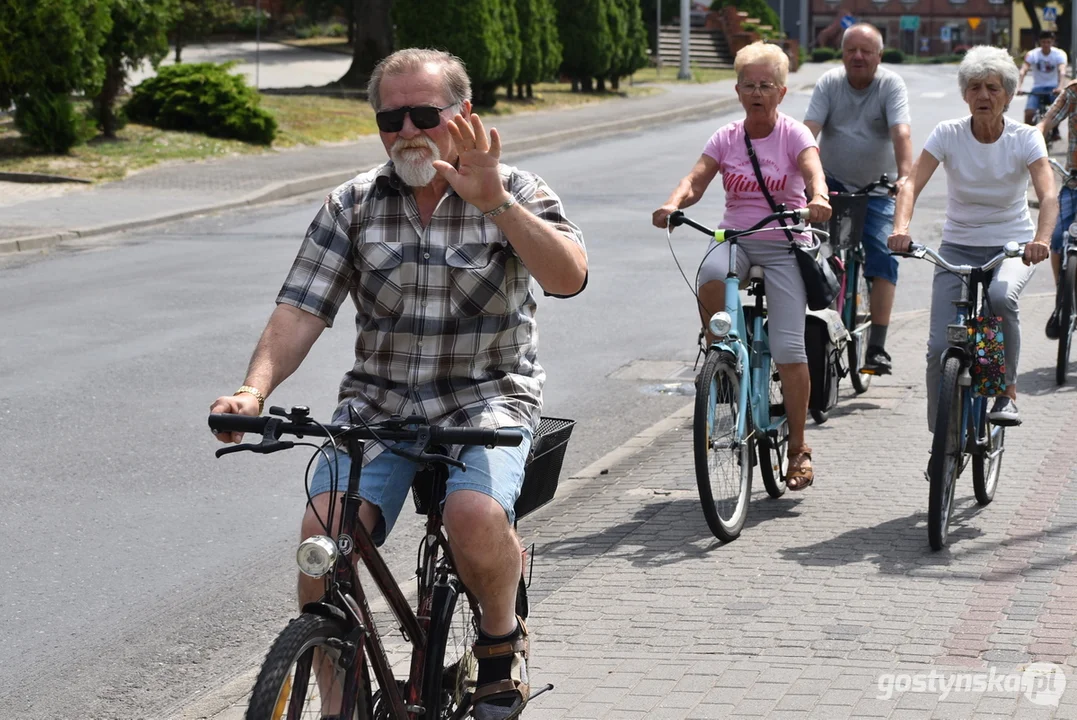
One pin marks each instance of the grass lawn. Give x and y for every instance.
(302, 120)
(669, 74)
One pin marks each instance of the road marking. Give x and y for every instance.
(933, 95)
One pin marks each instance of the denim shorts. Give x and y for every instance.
(386, 480)
(1034, 100)
(878, 224)
(1067, 210)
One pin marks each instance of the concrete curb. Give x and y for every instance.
(21, 177)
(329, 180)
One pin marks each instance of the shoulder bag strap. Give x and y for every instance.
(763, 184)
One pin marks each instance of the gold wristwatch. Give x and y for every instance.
(247, 389)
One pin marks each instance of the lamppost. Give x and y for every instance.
(686, 27)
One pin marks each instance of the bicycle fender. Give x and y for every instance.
(326, 610)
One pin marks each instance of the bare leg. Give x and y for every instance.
(711, 299)
(487, 555)
(796, 388)
(1056, 265)
(1029, 114)
(882, 301)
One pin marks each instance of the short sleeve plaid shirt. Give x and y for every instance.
(445, 315)
(1065, 106)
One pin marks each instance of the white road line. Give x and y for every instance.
(933, 95)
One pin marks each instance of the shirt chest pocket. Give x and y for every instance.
(481, 279)
(380, 288)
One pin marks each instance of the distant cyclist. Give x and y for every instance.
(862, 110)
(1048, 65)
(1064, 107)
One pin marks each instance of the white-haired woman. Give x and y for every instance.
(789, 160)
(989, 159)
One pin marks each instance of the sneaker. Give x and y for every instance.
(877, 361)
(1052, 326)
(1004, 412)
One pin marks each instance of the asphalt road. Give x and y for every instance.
(136, 568)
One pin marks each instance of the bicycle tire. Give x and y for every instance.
(774, 452)
(858, 345)
(945, 455)
(719, 388)
(288, 666)
(450, 669)
(1067, 307)
(819, 416)
(987, 462)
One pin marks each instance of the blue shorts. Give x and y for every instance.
(1034, 100)
(879, 223)
(1067, 211)
(386, 480)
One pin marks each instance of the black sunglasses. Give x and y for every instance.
(424, 117)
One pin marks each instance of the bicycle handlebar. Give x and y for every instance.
(1010, 250)
(412, 429)
(678, 218)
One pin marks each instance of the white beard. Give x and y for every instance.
(414, 168)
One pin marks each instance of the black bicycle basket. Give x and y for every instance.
(544, 464)
(847, 219)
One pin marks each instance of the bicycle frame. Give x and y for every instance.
(756, 358)
(971, 404)
(344, 591)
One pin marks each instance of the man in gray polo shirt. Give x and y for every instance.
(862, 111)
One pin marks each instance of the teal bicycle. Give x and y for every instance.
(739, 410)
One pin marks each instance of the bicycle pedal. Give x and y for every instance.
(516, 713)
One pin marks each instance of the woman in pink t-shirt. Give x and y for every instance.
(789, 160)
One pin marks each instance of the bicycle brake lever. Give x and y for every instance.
(425, 457)
(262, 448)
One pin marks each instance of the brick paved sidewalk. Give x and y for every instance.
(831, 603)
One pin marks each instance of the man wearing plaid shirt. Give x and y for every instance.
(437, 248)
(1065, 106)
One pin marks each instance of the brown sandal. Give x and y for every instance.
(518, 683)
(799, 477)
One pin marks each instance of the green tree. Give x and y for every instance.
(541, 46)
(473, 30)
(631, 54)
(139, 33)
(49, 49)
(513, 45)
(586, 40)
(195, 19)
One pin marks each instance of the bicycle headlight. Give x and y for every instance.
(1073, 229)
(720, 324)
(316, 555)
(957, 334)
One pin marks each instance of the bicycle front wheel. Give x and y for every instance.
(303, 675)
(987, 462)
(723, 460)
(946, 454)
(450, 670)
(1067, 316)
(860, 316)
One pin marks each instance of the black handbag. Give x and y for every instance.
(821, 282)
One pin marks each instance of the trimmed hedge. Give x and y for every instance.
(822, 54)
(893, 55)
(205, 98)
(49, 122)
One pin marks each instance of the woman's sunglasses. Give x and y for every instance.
(424, 117)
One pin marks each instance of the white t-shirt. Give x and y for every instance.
(1045, 67)
(987, 183)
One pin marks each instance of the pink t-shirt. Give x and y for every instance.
(777, 154)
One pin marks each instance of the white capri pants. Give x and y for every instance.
(787, 303)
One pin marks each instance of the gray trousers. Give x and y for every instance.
(787, 301)
(1010, 279)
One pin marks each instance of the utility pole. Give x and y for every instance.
(686, 27)
(657, 38)
(257, 42)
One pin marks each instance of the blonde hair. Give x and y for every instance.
(410, 60)
(759, 53)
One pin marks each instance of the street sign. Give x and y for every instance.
(925, 44)
(847, 22)
(1050, 14)
(944, 33)
(974, 22)
(910, 22)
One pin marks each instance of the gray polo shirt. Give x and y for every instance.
(855, 144)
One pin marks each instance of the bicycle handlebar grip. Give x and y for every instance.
(476, 436)
(228, 422)
(803, 213)
(675, 219)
